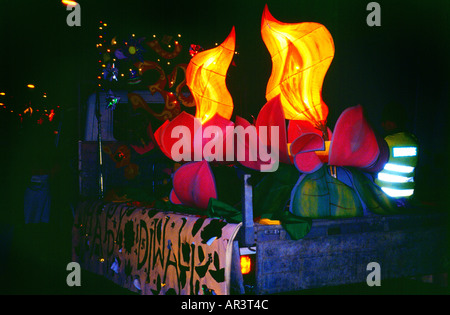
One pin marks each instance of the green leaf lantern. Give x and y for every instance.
(320, 195)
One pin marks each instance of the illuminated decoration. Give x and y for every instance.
(156, 46)
(301, 55)
(206, 76)
(131, 49)
(195, 49)
(31, 86)
(188, 100)
(333, 190)
(353, 143)
(111, 100)
(51, 115)
(110, 72)
(271, 116)
(28, 110)
(170, 110)
(194, 185)
(397, 177)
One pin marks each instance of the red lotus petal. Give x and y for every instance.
(353, 142)
(307, 162)
(250, 146)
(167, 141)
(272, 115)
(157, 136)
(173, 198)
(306, 143)
(298, 127)
(194, 184)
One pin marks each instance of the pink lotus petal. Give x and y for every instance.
(307, 142)
(167, 140)
(298, 127)
(307, 162)
(173, 198)
(272, 115)
(194, 184)
(353, 142)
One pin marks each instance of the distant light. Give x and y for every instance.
(68, 2)
(31, 86)
(2, 93)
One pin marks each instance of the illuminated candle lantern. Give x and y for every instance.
(205, 77)
(301, 55)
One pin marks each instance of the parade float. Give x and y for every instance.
(196, 203)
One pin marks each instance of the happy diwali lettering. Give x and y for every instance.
(156, 246)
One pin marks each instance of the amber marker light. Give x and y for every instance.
(246, 265)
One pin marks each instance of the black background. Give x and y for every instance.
(404, 60)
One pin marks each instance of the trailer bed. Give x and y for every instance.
(337, 252)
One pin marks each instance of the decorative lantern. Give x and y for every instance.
(205, 77)
(301, 55)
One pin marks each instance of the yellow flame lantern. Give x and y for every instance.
(301, 55)
(205, 77)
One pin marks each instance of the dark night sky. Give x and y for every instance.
(403, 60)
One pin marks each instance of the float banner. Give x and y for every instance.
(154, 252)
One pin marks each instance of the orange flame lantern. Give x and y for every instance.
(205, 77)
(301, 55)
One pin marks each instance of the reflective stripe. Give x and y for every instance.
(398, 192)
(394, 178)
(398, 168)
(404, 151)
